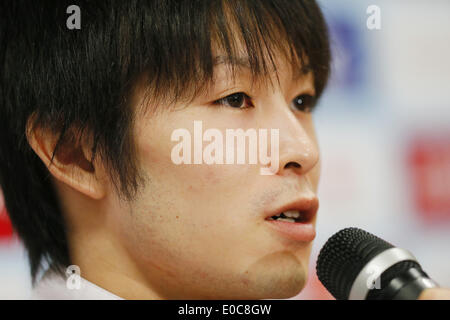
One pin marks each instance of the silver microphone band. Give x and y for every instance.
(374, 268)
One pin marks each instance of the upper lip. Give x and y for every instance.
(307, 206)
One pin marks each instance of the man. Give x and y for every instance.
(87, 140)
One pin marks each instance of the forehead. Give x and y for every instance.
(278, 68)
(258, 54)
(278, 63)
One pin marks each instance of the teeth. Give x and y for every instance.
(286, 219)
(282, 219)
(289, 216)
(292, 214)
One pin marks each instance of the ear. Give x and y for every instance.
(71, 164)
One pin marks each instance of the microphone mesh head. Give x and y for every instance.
(343, 256)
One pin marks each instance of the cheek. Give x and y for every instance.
(315, 176)
(207, 179)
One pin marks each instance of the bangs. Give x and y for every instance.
(183, 44)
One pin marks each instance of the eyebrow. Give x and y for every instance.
(243, 62)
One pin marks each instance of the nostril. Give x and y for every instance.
(292, 164)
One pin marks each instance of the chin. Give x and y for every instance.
(289, 290)
(276, 284)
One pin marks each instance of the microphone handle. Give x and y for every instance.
(408, 285)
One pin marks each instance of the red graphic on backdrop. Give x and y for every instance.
(6, 229)
(429, 164)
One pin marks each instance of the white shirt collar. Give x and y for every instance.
(54, 287)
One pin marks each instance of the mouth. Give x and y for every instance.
(295, 220)
(292, 216)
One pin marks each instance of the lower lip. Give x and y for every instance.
(296, 231)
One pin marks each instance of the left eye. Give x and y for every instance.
(303, 102)
(238, 100)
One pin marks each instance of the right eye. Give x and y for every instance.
(238, 100)
(304, 103)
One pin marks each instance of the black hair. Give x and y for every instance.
(79, 82)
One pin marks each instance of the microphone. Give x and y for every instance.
(356, 265)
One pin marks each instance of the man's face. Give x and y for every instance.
(201, 231)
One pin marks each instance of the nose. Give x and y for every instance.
(298, 150)
(299, 154)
